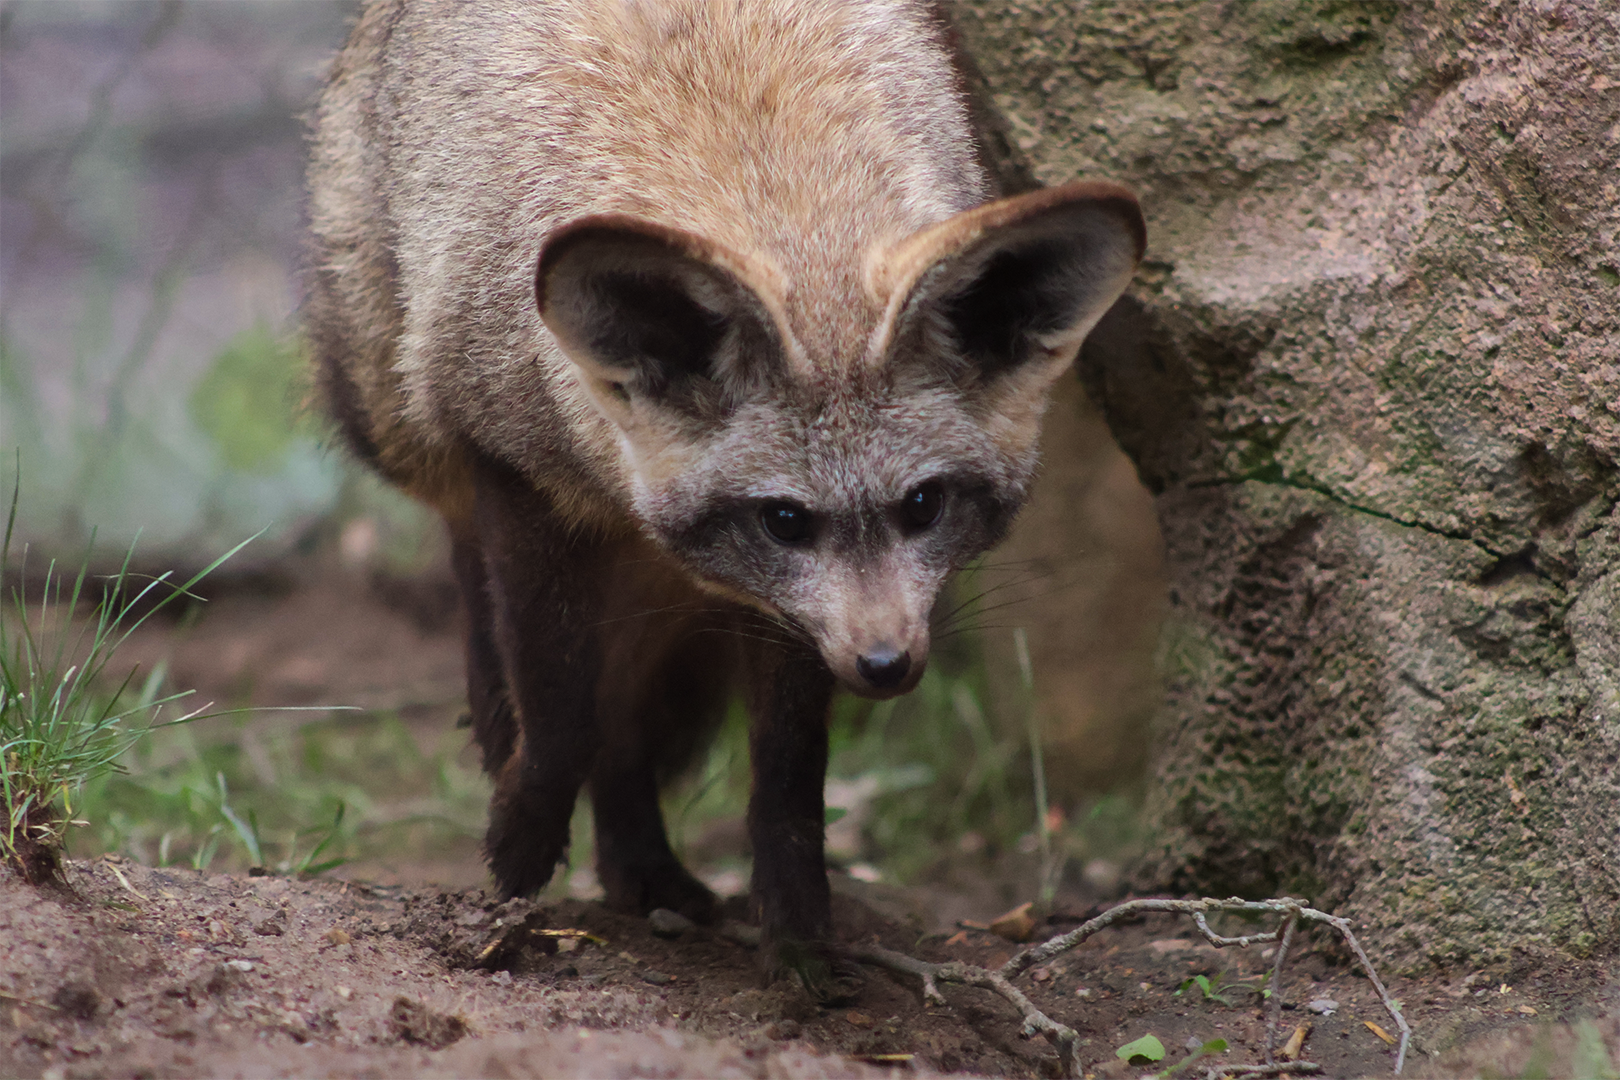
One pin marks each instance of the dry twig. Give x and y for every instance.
(30, 1001)
(1279, 1068)
(1066, 1040)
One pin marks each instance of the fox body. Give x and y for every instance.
(693, 321)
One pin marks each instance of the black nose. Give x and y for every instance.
(883, 667)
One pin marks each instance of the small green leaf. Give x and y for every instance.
(1214, 1046)
(834, 813)
(1148, 1048)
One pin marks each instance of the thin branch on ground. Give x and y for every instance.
(30, 1001)
(1274, 1013)
(1277, 1068)
(1066, 1040)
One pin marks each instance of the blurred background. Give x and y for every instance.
(151, 158)
(151, 398)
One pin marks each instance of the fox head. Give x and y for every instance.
(838, 493)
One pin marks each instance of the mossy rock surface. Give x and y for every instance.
(1371, 370)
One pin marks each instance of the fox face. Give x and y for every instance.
(837, 493)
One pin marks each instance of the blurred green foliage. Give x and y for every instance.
(247, 401)
(185, 468)
(248, 790)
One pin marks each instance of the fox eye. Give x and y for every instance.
(922, 505)
(786, 522)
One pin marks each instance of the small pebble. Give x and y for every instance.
(1324, 1006)
(780, 1030)
(244, 966)
(665, 923)
(657, 978)
(272, 925)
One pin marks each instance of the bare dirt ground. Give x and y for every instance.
(135, 971)
(159, 973)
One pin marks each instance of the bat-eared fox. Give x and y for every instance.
(696, 322)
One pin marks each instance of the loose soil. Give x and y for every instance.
(135, 971)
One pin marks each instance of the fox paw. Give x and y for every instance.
(645, 889)
(827, 977)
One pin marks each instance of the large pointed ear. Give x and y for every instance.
(657, 317)
(1007, 292)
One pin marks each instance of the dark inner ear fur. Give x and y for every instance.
(1031, 287)
(643, 308)
(651, 326)
(1019, 295)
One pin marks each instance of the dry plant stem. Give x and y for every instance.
(1274, 1013)
(29, 1001)
(1279, 1068)
(1066, 1040)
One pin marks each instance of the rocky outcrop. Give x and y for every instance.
(1371, 372)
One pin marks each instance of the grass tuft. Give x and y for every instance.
(59, 728)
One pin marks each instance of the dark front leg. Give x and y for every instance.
(668, 671)
(638, 870)
(787, 825)
(542, 588)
